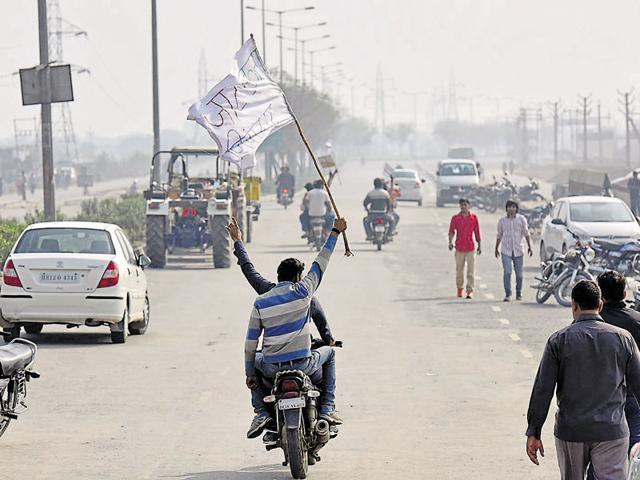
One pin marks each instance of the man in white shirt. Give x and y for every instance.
(319, 204)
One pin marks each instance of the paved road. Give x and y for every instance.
(430, 386)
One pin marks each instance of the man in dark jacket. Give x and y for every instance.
(590, 364)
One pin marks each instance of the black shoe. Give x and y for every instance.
(257, 426)
(518, 298)
(270, 438)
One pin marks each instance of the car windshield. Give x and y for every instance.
(404, 174)
(600, 212)
(65, 240)
(449, 169)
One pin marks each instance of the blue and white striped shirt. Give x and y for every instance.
(281, 316)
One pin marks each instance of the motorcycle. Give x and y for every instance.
(550, 272)
(317, 234)
(577, 264)
(285, 197)
(535, 216)
(380, 227)
(300, 432)
(530, 191)
(623, 257)
(16, 360)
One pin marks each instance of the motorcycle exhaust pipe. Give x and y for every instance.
(322, 431)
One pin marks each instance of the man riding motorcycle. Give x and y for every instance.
(377, 202)
(285, 181)
(281, 317)
(318, 204)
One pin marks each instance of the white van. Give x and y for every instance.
(456, 178)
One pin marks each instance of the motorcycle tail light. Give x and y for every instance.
(379, 220)
(285, 190)
(289, 386)
(10, 276)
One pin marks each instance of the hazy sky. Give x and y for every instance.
(524, 51)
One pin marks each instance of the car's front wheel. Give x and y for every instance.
(120, 335)
(33, 328)
(140, 327)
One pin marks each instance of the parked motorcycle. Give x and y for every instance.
(577, 261)
(530, 192)
(317, 234)
(381, 229)
(535, 216)
(550, 272)
(623, 257)
(16, 360)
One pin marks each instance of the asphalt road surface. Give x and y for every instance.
(430, 386)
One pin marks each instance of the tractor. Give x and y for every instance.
(192, 212)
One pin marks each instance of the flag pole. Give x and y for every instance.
(347, 250)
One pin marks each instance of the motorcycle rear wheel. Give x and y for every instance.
(298, 458)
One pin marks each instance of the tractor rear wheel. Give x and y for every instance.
(156, 249)
(220, 241)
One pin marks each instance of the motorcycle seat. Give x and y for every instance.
(15, 356)
(609, 245)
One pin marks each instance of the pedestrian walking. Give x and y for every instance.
(464, 227)
(590, 365)
(616, 312)
(512, 231)
(633, 186)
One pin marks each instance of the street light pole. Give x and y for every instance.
(295, 54)
(45, 112)
(154, 67)
(264, 37)
(280, 26)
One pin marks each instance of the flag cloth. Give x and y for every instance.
(243, 109)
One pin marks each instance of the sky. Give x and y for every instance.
(502, 54)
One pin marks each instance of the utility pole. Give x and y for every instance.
(600, 153)
(586, 110)
(154, 67)
(525, 137)
(47, 141)
(555, 136)
(625, 101)
(241, 23)
(264, 37)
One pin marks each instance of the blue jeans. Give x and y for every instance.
(320, 366)
(508, 264)
(304, 221)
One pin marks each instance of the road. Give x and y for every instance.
(430, 386)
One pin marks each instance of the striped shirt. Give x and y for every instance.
(281, 317)
(511, 232)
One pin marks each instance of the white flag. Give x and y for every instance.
(242, 110)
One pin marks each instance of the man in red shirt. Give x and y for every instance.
(464, 226)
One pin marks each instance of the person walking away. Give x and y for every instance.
(616, 312)
(287, 181)
(304, 206)
(512, 230)
(590, 365)
(633, 185)
(394, 193)
(464, 227)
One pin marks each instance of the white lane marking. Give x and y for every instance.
(526, 353)
(496, 308)
(515, 337)
(489, 296)
(504, 321)
(483, 285)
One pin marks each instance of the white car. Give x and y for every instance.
(456, 178)
(410, 185)
(588, 217)
(74, 273)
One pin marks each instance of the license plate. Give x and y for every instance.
(379, 228)
(289, 403)
(61, 277)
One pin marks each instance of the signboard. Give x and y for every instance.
(33, 83)
(327, 161)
